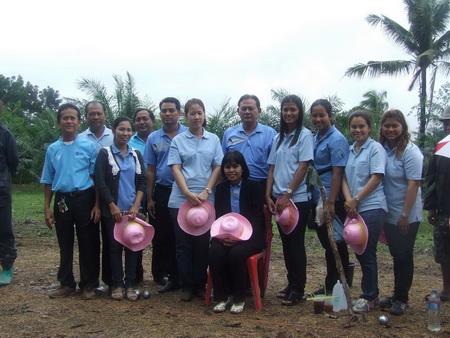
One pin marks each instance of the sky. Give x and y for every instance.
(212, 50)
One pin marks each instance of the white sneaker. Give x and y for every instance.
(237, 308)
(363, 305)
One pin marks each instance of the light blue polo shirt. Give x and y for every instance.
(286, 161)
(68, 166)
(106, 140)
(255, 147)
(197, 158)
(126, 194)
(371, 159)
(157, 153)
(137, 143)
(398, 171)
(330, 151)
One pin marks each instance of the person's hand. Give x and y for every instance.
(270, 205)
(330, 205)
(403, 225)
(350, 207)
(432, 217)
(49, 218)
(115, 213)
(281, 203)
(96, 213)
(151, 208)
(133, 212)
(194, 198)
(203, 196)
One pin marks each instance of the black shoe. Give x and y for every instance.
(161, 280)
(186, 295)
(170, 286)
(387, 302)
(398, 308)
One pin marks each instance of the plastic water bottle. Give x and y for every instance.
(434, 309)
(340, 302)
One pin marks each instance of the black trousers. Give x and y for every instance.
(78, 214)
(164, 262)
(228, 267)
(8, 253)
(332, 272)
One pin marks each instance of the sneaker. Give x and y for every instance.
(363, 305)
(61, 292)
(387, 302)
(399, 308)
(88, 294)
(237, 308)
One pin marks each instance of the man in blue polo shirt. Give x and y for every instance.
(159, 187)
(67, 174)
(252, 139)
(95, 113)
(144, 120)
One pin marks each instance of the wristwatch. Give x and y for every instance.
(209, 191)
(289, 191)
(357, 198)
(404, 214)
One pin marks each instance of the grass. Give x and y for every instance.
(28, 204)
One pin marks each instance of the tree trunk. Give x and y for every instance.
(423, 102)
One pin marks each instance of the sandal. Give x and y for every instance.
(284, 293)
(131, 294)
(237, 308)
(117, 293)
(293, 299)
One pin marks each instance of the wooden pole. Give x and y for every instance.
(337, 257)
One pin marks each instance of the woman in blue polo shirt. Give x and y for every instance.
(195, 157)
(120, 180)
(289, 159)
(330, 157)
(402, 187)
(363, 191)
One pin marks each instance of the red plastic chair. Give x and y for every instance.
(257, 265)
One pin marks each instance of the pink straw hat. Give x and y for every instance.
(232, 226)
(196, 220)
(135, 234)
(288, 218)
(356, 234)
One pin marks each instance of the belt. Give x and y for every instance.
(164, 186)
(75, 193)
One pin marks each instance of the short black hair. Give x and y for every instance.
(235, 157)
(67, 106)
(150, 113)
(250, 97)
(171, 100)
(121, 119)
(94, 102)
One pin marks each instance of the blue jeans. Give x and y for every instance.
(192, 257)
(374, 220)
(401, 248)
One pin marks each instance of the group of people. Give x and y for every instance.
(100, 176)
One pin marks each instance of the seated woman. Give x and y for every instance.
(228, 258)
(120, 179)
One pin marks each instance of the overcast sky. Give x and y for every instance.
(212, 50)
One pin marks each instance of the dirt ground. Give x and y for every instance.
(26, 310)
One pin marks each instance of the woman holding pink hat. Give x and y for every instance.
(363, 191)
(403, 195)
(195, 157)
(238, 233)
(291, 154)
(120, 179)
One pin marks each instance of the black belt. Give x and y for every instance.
(75, 193)
(164, 186)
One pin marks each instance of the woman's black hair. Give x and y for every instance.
(235, 157)
(324, 103)
(283, 125)
(121, 119)
(191, 102)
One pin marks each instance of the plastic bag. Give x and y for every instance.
(320, 215)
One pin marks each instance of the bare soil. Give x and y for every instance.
(26, 310)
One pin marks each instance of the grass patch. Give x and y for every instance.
(28, 202)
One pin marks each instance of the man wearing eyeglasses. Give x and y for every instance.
(251, 138)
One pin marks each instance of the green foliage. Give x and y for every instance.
(123, 102)
(224, 117)
(427, 44)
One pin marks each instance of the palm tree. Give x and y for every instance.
(426, 42)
